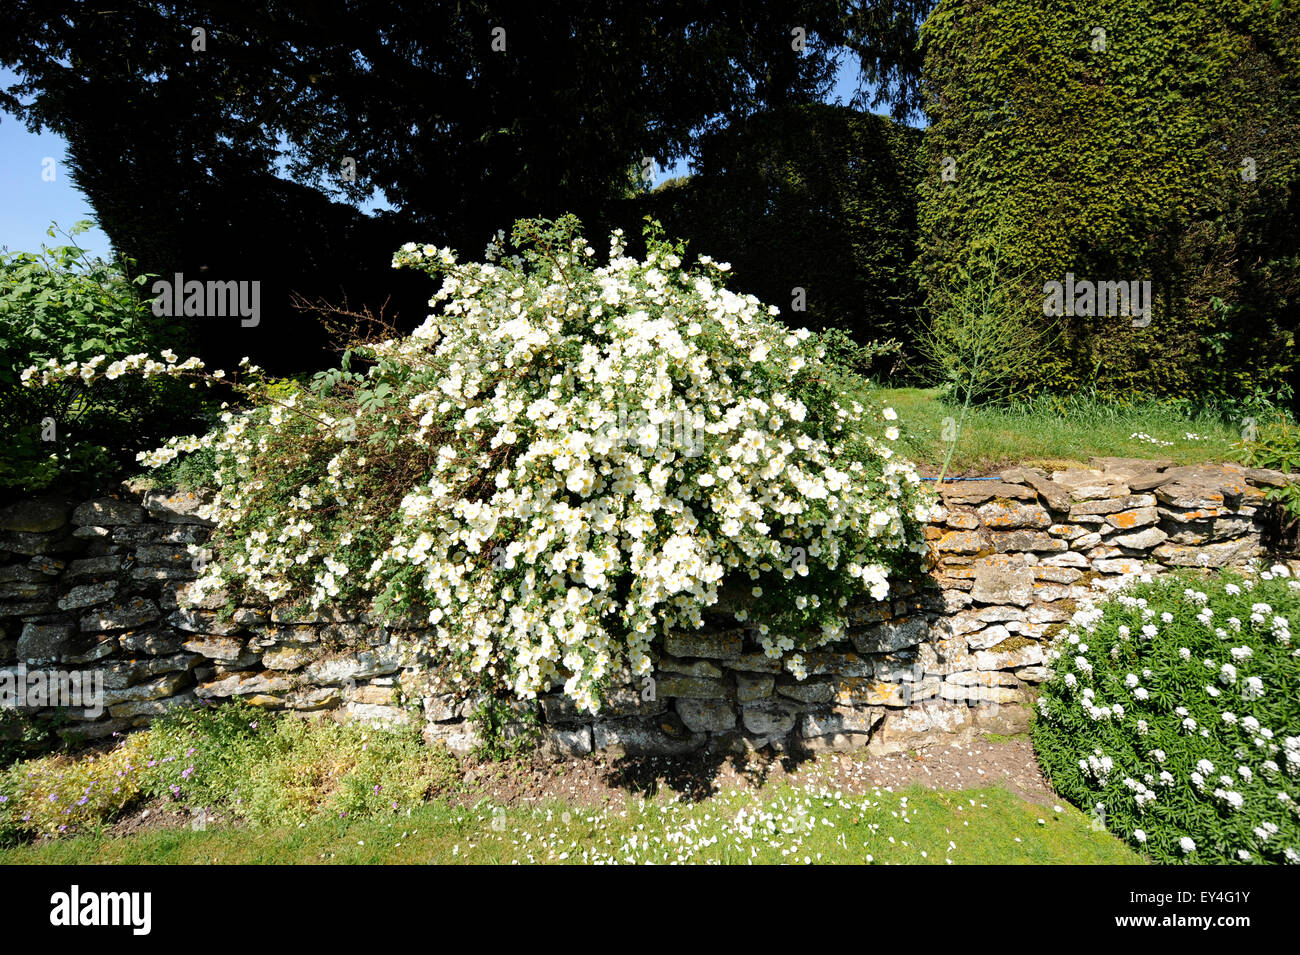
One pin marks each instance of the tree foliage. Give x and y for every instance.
(1126, 140)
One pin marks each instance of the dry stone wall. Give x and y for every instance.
(94, 591)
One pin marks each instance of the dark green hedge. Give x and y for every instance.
(814, 197)
(1123, 159)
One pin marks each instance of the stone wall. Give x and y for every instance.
(97, 587)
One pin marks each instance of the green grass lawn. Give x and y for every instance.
(777, 825)
(1052, 431)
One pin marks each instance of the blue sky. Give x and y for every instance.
(37, 191)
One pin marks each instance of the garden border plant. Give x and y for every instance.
(1172, 717)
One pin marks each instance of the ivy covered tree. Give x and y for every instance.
(1126, 140)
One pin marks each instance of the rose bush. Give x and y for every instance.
(564, 461)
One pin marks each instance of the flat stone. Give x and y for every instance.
(161, 642)
(201, 621)
(643, 738)
(1205, 555)
(918, 726)
(1142, 540)
(980, 694)
(107, 512)
(994, 659)
(135, 612)
(706, 716)
(1067, 531)
(983, 678)
(1068, 559)
(459, 738)
(988, 637)
(1131, 520)
(854, 691)
(1032, 541)
(122, 674)
(1268, 477)
(1118, 565)
(841, 719)
(1048, 592)
(141, 711)
(225, 649)
(1057, 498)
(812, 691)
(239, 684)
(1003, 580)
(1010, 515)
(887, 637)
(756, 662)
(1201, 490)
(977, 492)
(769, 719)
(728, 643)
(1006, 719)
(1125, 468)
(566, 743)
(87, 595)
(34, 517)
(40, 642)
(677, 686)
(1058, 575)
(702, 668)
(751, 687)
(1034, 674)
(178, 508)
(962, 520)
(1111, 505)
(285, 658)
(962, 542)
(166, 685)
(108, 565)
(826, 663)
(865, 612)
(364, 665)
(42, 545)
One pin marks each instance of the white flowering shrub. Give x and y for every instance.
(565, 461)
(1173, 715)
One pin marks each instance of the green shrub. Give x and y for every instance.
(1275, 443)
(1172, 715)
(1110, 140)
(60, 794)
(60, 306)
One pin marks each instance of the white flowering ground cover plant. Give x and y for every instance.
(1173, 716)
(563, 462)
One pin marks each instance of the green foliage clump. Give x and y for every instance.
(59, 794)
(1275, 443)
(58, 305)
(268, 769)
(274, 769)
(820, 198)
(1125, 140)
(1172, 716)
